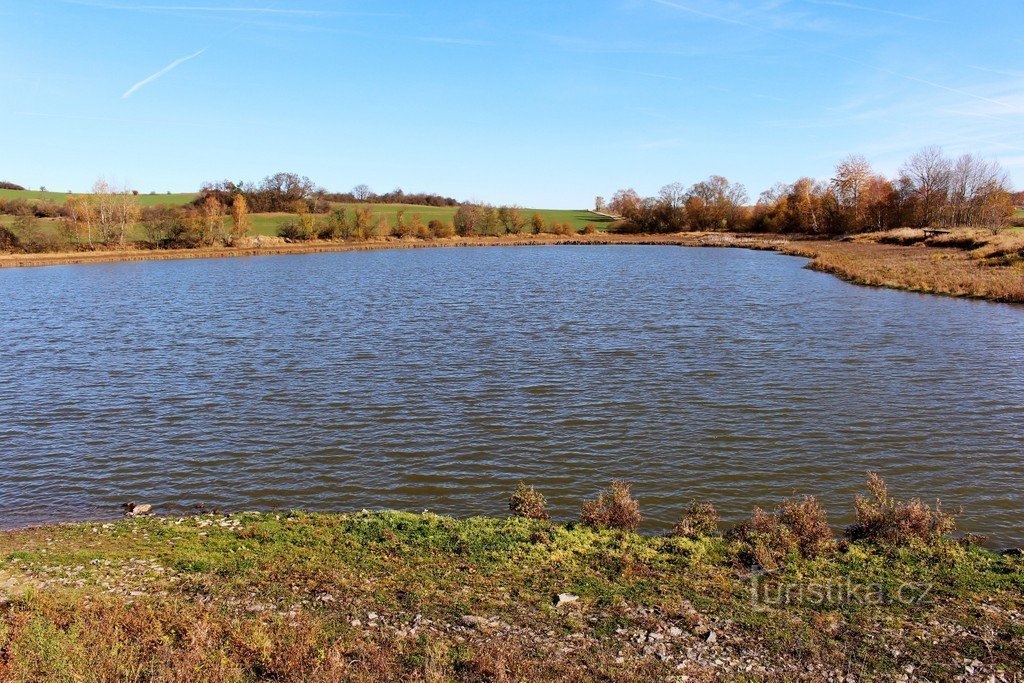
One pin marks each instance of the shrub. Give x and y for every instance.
(796, 526)
(887, 521)
(336, 226)
(699, 519)
(8, 240)
(296, 231)
(35, 238)
(808, 522)
(527, 502)
(562, 229)
(441, 230)
(537, 223)
(614, 508)
(588, 229)
(766, 541)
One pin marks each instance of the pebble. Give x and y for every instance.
(565, 599)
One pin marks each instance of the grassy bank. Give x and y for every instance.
(966, 262)
(395, 596)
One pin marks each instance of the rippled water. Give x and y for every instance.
(437, 378)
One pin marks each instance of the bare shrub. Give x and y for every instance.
(888, 521)
(808, 523)
(588, 229)
(527, 502)
(699, 519)
(767, 542)
(796, 527)
(614, 508)
(441, 230)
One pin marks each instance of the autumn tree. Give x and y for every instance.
(362, 222)
(512, 219)
(213, 219)
(925, 181)
(715, 204)
(241, 220)
(849, 185)
(671, 207)
(537, 223)
(468, 220)
(79, 219)
(624, 202)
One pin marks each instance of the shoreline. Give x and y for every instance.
(319, 247)
(942, 270)
(399, 596)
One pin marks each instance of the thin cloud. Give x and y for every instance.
(226, 10)
(707, 15)
(851, 60)
(453, 41)
(170, 67)
(876, 10)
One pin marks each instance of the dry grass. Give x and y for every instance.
(969, 263)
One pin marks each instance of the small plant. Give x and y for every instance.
(766, 541)
(588, 229)
(888, 521)
(614, 508)
(808, 523)
(699, 519)
(527, 502)
(796, 527)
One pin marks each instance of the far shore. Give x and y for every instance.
(960, 267)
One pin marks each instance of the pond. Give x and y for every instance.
(438, 378)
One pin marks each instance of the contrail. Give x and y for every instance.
(161, 72)
(863, 8)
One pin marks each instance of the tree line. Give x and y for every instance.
(470, 220)
(286, 192)
(931, 189)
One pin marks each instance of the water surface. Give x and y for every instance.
(437, 378)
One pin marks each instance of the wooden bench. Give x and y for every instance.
(931, 232)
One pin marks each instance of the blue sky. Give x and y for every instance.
(536, 103)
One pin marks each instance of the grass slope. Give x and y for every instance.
(176, 199)
(395, 596)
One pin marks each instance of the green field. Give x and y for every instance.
(269, 223)
(60, 197)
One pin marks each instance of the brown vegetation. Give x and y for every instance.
(972, 263)
(614, 508)
(699, 519)
(930, 190)
(527, 502)
(797, 526)
(888, 521)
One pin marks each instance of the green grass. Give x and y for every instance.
(296, 596)
(176, 199)
(267, 224)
